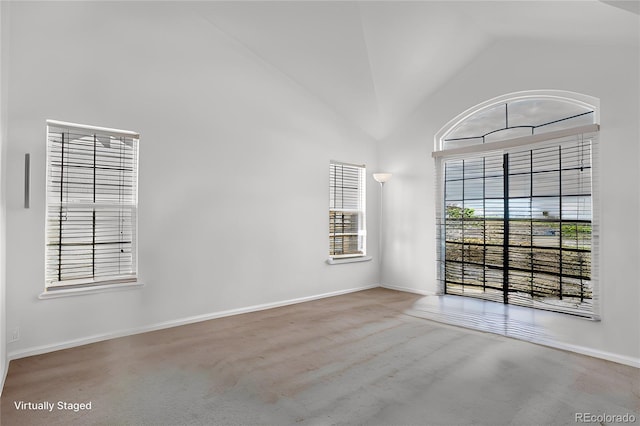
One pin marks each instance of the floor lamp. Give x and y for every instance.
(381, 178)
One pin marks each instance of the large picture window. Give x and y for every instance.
(516, 217)
(347, 231)
(91, 214)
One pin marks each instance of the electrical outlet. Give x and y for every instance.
(15, 335)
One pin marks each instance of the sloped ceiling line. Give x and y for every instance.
(374, 63)
(271, 66)
(371, 68)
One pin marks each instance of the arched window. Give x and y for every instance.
(516, 217)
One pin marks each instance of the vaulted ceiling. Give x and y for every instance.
(375, 62)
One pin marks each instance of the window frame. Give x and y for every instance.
(479, 147)
(507, 243)
(127, 203)
(360, 233)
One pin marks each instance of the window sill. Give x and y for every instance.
(342, 260)
(67, 292)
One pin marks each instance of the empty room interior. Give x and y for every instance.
(318, 212)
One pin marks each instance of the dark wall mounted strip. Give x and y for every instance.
(27, 179)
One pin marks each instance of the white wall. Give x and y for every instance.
(3, 180)
(234, 156)
(607, 72)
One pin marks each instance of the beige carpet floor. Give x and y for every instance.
(347, 360)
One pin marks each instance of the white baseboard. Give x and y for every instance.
(408, 289)
(621, 359)
(4, 375)
(37, 350)
(617, 358)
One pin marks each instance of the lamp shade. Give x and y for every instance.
(382, 177)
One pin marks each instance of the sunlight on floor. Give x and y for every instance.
(492, 317)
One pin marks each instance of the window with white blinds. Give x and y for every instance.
(518, 226)
(91, 217)
(347, 235)
(517, 202)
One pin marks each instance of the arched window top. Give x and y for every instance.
(516, 115)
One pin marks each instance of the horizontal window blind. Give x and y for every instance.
(91, 205)
(518, 226)
(346, 210)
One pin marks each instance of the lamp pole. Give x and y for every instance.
(381, 178)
